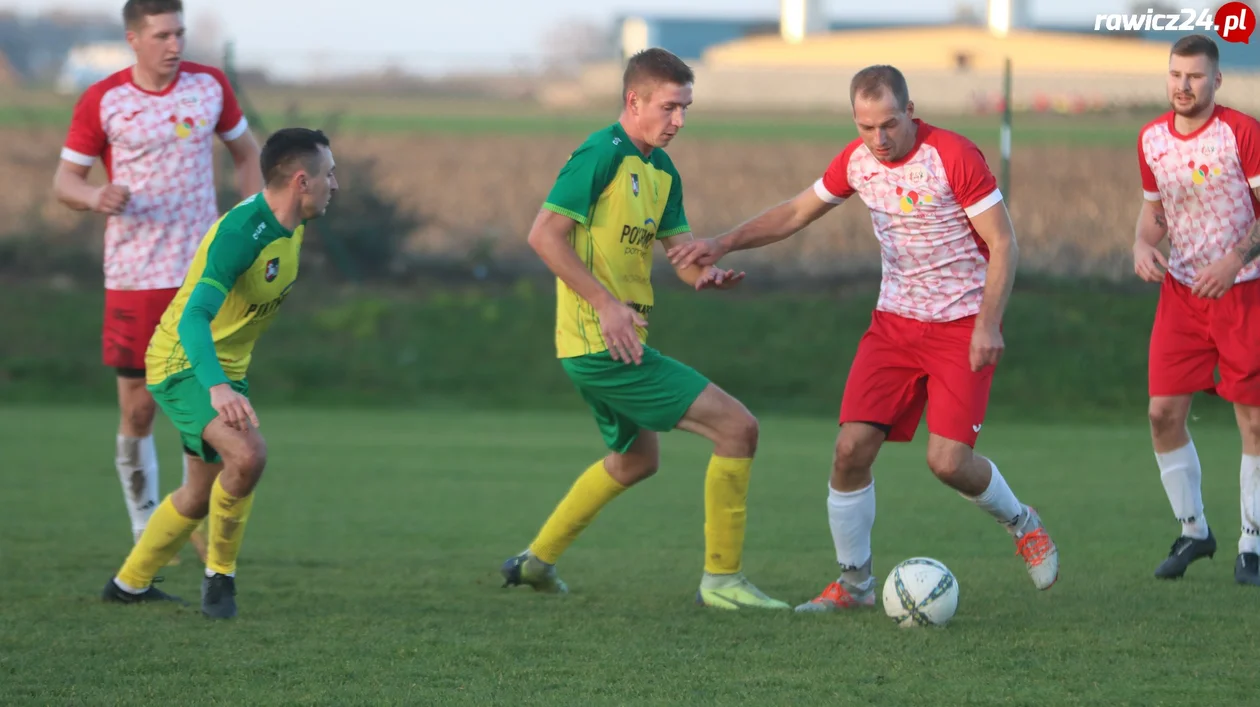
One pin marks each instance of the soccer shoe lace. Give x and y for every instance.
(1034, 547)
(838, 595)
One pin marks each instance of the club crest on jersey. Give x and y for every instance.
(184, 127)
(1200, 173)
(273, 269)
(916, 174)
(907, 200)
(634, 183)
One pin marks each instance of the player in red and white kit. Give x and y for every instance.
(152, 126)
(949, 256)
(1200, 168)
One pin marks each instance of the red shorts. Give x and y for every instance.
(904, 365)
(130, 318)
(1192, 336)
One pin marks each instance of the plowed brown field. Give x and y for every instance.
(1073, 208)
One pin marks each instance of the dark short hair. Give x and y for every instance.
(655, 65)
(872, 81)
(286, 148)
(1197, 45)
(135, 11)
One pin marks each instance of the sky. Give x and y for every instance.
(438, 36)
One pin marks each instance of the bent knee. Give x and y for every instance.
(251, 458)
(745, 431)
(1166, 416)
(946, 465)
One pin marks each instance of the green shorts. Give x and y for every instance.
(187, 403)
(627, 398)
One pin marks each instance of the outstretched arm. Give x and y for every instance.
(699, 276)
(771, 226)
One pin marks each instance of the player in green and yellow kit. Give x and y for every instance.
(198, 359)
(615, 197)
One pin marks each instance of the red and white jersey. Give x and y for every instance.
(160, 146)
(1204, 181)
(934, 262)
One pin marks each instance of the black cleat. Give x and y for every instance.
(218, 596)
(1247, 569)
(1184, 551)
(115, 594)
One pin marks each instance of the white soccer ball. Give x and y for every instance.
(920, 592)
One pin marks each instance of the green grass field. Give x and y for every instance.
(400, 115)
(369, 575)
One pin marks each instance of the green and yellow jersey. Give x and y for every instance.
(622, 202)
(242, 272)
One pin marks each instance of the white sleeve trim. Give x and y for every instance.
(77, 157)
(1254, 182)
(988, 202)
(1154, 195)
(826, 195)
(236, 132)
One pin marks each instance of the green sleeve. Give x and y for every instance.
(582, 179)
(227, 257)
(674, 220)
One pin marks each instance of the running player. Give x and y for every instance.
(198, 360)
(949, 257)
(1200, 168)
(618, 194)
(152, 125)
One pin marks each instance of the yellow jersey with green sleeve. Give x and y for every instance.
(622, 202)
(243, 270)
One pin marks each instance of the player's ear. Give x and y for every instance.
(910, 109)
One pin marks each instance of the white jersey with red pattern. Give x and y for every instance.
(1205, 181)
(160, 146)
(934, 262)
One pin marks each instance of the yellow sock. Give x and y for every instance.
(593, 490)
(725, 513)
(228, 515)
(165, 534)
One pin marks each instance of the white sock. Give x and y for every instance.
(999, 501)
(135, 459)
(1249, 485)
(1183, 482)
(211, 573)
(852, 516)
(126, 587)
(185, 458)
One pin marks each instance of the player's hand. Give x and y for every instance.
(111, 199)
(1148, 262)
(617, 321)
(718, 279)
(986, 347)
(233, 407)
(1215, 280)
(700, 252)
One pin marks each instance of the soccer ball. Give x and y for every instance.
(920, 592)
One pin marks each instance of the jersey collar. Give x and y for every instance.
(265, 209)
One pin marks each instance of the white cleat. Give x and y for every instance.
(1040, 554)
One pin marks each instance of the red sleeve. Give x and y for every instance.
(232, 121)
(1247, 136)
(1149, 186)
(833, 187)
(85, 140)
(974, 186)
